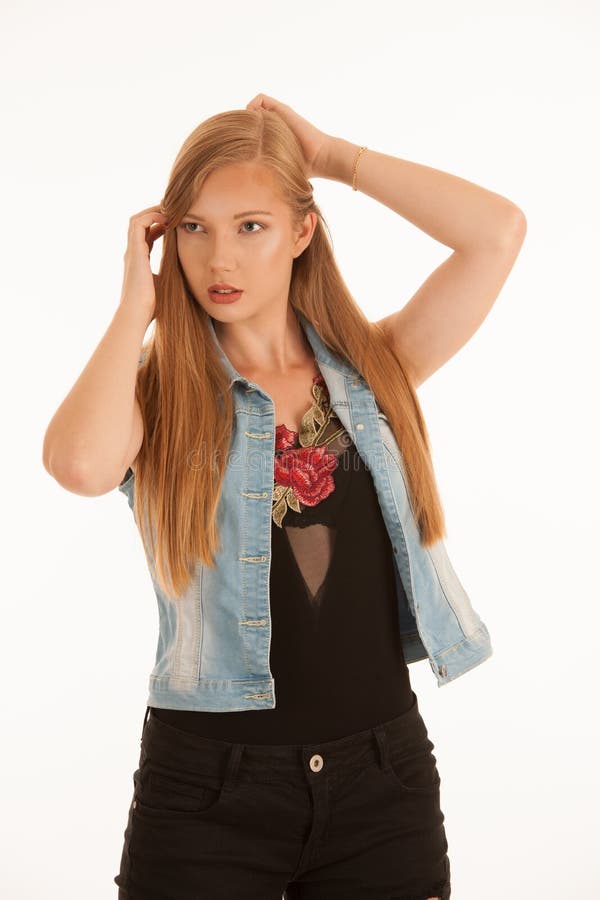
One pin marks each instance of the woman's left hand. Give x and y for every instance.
(315, 144)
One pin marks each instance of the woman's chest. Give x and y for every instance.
(293, 396)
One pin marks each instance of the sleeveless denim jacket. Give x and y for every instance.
(214, 640)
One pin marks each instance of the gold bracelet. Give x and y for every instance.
(362, 149)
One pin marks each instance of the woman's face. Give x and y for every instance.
(239, 231)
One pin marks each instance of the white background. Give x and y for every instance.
(95, 104)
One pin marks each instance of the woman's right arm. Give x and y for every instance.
(97, 431)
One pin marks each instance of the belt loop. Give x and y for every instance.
(383, 745)
(235, 756)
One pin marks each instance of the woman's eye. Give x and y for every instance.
(252, 223)
(248, 222)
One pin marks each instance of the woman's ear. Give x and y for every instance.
(306, 231)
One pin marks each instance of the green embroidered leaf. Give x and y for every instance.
(293, 501)
(279, 511)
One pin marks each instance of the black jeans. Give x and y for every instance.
(357, 817)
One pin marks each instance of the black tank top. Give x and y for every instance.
(336, 654)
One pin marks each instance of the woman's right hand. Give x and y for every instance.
(139, 280)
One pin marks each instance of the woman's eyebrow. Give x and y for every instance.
(249, 212)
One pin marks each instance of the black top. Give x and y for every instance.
(336, 654)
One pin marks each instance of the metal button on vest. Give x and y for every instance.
(316, 762)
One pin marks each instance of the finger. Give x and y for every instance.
(152, 236)
(146, 234)
(154, 232)
(145, 220)
(152, 214)
(264, 101)
(255, 100)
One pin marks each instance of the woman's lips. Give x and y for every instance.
(224, 298)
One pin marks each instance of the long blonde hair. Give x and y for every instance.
(181, 386)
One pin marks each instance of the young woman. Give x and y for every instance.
(271, 446)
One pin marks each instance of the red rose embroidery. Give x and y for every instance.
(284, 437)
(302, 474)
(307, 471)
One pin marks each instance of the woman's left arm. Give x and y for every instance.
(485, 230)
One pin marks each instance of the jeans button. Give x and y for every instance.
(316, 762)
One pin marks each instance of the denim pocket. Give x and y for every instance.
(415, 769)
(165, 794)
(123, 877)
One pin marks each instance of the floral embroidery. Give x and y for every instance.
(303, 467)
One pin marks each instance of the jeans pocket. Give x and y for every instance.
(123, 876)
(414, 769)
(168, 794)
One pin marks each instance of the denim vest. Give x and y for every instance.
(214, 640)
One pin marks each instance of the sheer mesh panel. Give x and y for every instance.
(311, 530)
